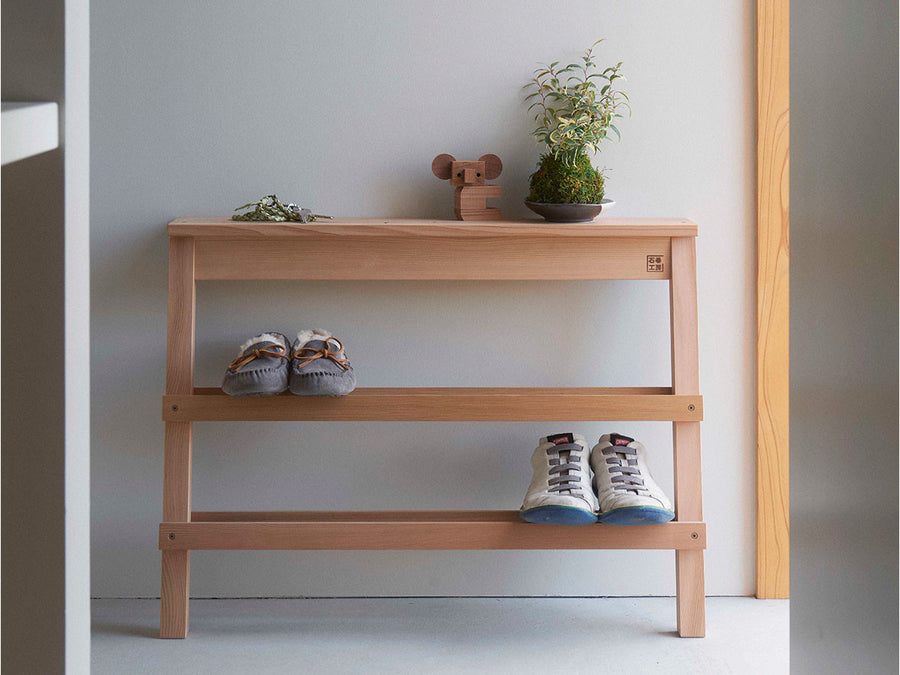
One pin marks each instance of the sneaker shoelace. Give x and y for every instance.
(625, 473)
(568, 478)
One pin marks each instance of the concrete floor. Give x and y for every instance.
(441, 635)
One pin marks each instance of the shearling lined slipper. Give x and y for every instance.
(261, 367)
(319, 365)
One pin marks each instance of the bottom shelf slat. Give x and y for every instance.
(411, 530)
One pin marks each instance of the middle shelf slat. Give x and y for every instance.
(442, 404)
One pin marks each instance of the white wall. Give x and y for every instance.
(198, 108)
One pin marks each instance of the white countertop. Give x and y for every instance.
(28, 128)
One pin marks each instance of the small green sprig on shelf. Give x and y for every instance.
(270, 209)
(572, 113)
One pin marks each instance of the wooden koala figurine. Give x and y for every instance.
(471, 192)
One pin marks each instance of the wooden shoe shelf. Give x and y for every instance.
(405, 249)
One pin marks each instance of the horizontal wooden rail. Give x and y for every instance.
(412, 530)
(224, 228)
(502, 258)
(437, 404)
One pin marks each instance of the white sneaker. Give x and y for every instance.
(560, 490)
(626, 491)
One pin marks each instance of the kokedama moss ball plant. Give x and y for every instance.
(556, 182)
(574, 116)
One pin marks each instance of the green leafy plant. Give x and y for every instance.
(572, 113)
(576, 107)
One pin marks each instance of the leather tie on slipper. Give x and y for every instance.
(275, 351)
(324, 352)
(320, 366)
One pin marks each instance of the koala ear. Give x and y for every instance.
(492, 166)
(442, 165)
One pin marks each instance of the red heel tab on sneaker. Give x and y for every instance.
(618, 439)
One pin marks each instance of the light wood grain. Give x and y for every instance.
(442, 166)
(685, 378)
(691, 600)
(411, 530)
(176, 565)
(470, 202)
(493, 167)
(467, 172)
(686, 435)
(487, 391)
(416, 249)
(175, 572)
(180, 322)
(174, 592)
(773, 261)
(177, 465)
(398, 228)
(386, 258)
(352, 516)
(437, 404)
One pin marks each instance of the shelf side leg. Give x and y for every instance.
(176, 565)
(689, 582)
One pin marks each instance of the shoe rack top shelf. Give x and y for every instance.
(406, 249)
(225, 228)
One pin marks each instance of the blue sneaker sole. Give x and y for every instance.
(558, 515)
(636, 515)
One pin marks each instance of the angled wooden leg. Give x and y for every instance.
(175, 586)
(176, 565)
(691, 599)
(689, 582)
(175, 594)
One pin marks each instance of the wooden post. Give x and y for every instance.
(772, 304)
(686, 435)
(176, 565)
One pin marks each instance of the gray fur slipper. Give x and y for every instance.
(261, 367)
(319, 366)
